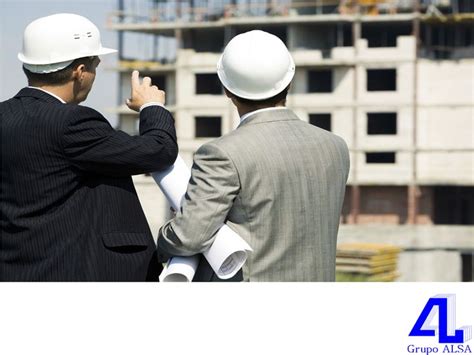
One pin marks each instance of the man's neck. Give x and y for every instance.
(243, 110)
(61, 91)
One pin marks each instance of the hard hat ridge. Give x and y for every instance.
(256, 65)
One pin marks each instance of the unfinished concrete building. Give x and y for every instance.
(394, 78)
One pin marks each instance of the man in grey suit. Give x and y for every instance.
(276, 180)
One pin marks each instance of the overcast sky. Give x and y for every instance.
(15, 16)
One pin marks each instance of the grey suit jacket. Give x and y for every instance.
(279, 183)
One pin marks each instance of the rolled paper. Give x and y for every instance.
(228, 252)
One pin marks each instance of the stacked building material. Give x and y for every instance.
(366, 262)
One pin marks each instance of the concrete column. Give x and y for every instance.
(413, 195)
(355, 190)
(413, 190)
(355, 203)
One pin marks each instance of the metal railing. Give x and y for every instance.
(207, 11)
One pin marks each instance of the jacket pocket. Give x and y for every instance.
(123, 242)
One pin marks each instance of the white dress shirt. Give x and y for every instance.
(50, 93)
(248, 114)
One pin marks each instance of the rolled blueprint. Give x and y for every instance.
(180, 269)
(227, 253)
(174, 182)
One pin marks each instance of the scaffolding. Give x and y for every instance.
(441, 26)
(135, 11)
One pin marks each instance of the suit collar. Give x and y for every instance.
(270, 116)
(249, 114)
(39, 94)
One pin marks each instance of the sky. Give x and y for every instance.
(15, 15)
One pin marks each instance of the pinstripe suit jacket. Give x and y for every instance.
(279, 183)
(69, 210)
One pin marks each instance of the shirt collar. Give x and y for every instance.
(248, 114)
(49, 93)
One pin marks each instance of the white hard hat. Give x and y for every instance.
(51, 43)
(256, 65)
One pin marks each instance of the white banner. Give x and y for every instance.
(235, 319)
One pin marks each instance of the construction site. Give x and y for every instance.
(394, 78)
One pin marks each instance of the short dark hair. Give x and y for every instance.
(272, 101)
(59, 77)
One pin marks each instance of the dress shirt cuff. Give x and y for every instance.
(144, 106)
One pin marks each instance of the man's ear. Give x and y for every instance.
(228, 93)
(231, 96)
(78, 73)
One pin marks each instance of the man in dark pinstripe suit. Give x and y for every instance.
(69, 210)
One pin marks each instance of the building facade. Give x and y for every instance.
(394, 78)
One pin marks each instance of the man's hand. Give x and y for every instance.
(144, 93)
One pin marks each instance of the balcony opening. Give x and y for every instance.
(380, 158)
(381, 123)
(278, 30)
(383, 204)
(381, 79)
(321, 120)
(454, 205)
(320, 81)
(204, 40)
(323, 37)
(312, 8)
(446, 40)
(467, 265)
(158, 80)
(143, 47)
(208, 126)
(381, 35)
(208, 84)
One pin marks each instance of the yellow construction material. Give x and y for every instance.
(366, 262)
(366, 249)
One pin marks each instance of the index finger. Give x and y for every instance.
(135, 79)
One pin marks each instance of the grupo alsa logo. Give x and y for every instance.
(450, 340)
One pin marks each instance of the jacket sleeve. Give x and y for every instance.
(92, 145)
(211, 192)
